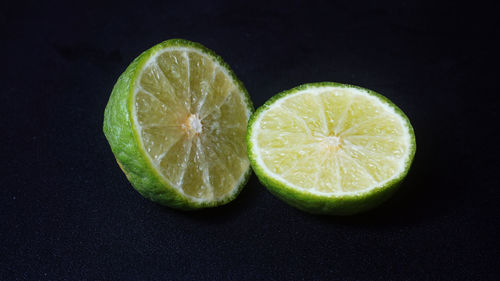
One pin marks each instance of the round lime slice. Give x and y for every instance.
(176, 122)
(330, 148)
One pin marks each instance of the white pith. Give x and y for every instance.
(330, 142)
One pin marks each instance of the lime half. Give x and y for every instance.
(176, 122)
(330, 148)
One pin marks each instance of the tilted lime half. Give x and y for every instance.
(176, 122)
(330, 148)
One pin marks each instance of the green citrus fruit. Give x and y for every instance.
(330, 148)
(176, 122)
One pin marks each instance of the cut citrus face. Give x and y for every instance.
(330, 148)
(176, 122)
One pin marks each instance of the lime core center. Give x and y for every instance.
(332, 143)
(192, 125)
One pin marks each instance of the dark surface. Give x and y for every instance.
(68, 213)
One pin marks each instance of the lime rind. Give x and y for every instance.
(127, 146)
(345, 204)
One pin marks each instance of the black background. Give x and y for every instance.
(68, 213)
